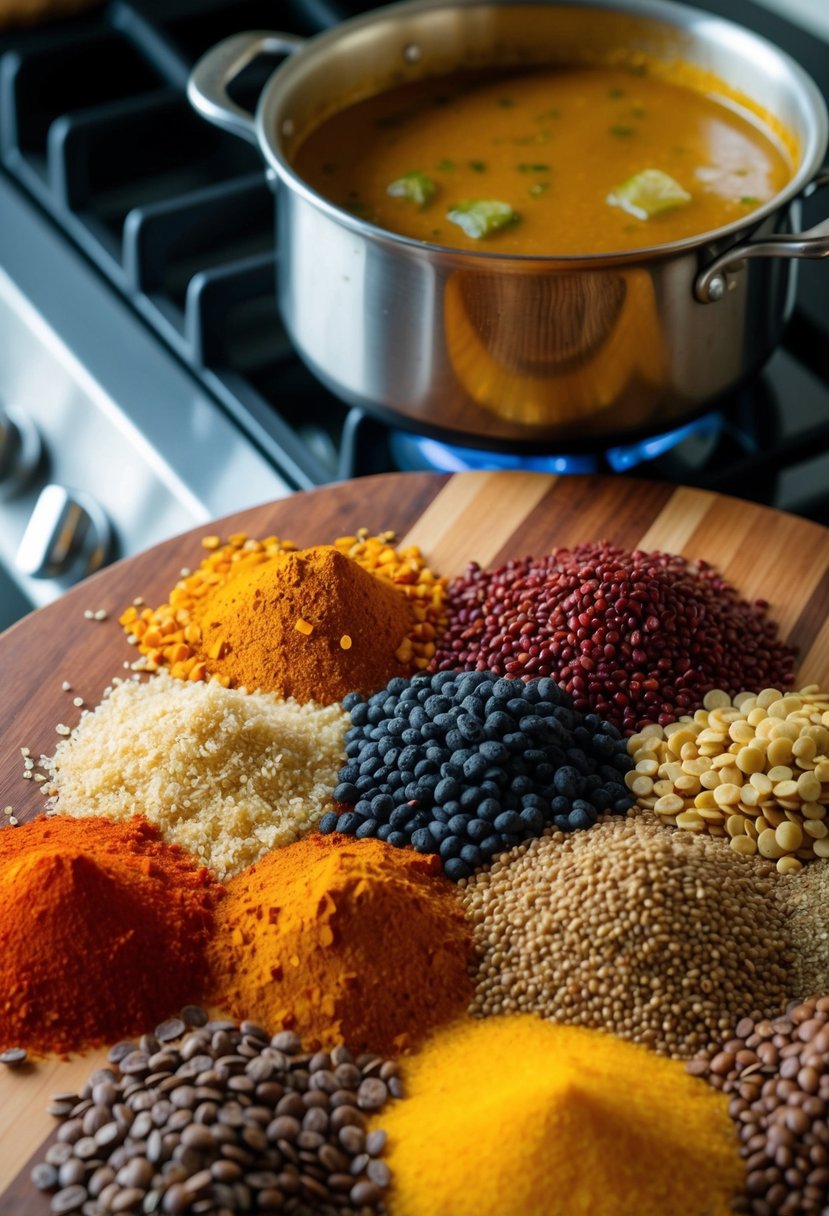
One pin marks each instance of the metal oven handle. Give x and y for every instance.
(711, 285)
(207, 88)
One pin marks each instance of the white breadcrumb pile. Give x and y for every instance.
(227, 774)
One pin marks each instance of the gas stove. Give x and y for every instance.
(145, 382)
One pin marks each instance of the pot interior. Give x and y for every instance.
(408, 41)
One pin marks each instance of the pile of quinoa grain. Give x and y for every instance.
(636, 637)
(167, 637)
(227, 774)
(804, 898)
(777, 1073)
(657, 936)
(754, 770)
(219, 1117)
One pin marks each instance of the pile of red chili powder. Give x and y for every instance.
(103, 930)
(635, 637)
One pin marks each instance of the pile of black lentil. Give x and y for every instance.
(468, 764)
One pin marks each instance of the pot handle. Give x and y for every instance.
(711, 285)
(219, 67)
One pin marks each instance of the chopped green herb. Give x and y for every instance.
(637, 111)
(553, 112)
(360, 209)
(539, 188)
(530, 168)
(479, 217)
(478, 165)
(414, 186)
(638, 69)
(328, 167)
(505, 102)
(615, 93)
(622, 132)
(648, 193)
(748, 200)
(445, 166)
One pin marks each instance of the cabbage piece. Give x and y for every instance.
(414, 186)
(479, 217)
(649, 193)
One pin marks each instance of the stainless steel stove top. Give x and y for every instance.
(110, 445)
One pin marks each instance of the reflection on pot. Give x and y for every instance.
(541, 349)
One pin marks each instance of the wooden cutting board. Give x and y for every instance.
(486, 517)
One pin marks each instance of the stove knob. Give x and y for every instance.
(68, 536)
(20, 450)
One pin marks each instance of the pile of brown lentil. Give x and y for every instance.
(660, 937)
(218, 1117)
(778, 1073)
(636, 637)
(754, 769)
(804, 898)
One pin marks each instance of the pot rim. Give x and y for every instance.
(679, 15)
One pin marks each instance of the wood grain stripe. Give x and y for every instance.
(676, 523)
(578, 509)
(23, 1117)
(766, 558)
(811, 634)
(473, 516)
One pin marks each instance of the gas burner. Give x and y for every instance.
(416, 452)
(726, 446)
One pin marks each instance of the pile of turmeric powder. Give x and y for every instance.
(514, 1116)
(303, 623)
(343, 939)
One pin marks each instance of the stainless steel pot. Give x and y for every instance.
(525, 352)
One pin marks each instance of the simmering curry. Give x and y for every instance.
(545, 161)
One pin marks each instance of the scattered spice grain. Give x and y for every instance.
(221, 1118)
(103, 928)
(754, 769)
(776, 1072)
(660, 937)
(343, 938)
(636, 637)
(224, 773)
(516, 1117)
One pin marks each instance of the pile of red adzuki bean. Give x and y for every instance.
(635, 637)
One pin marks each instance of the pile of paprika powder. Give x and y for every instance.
(103, 930)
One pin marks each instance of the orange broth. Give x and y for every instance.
(552, 144)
